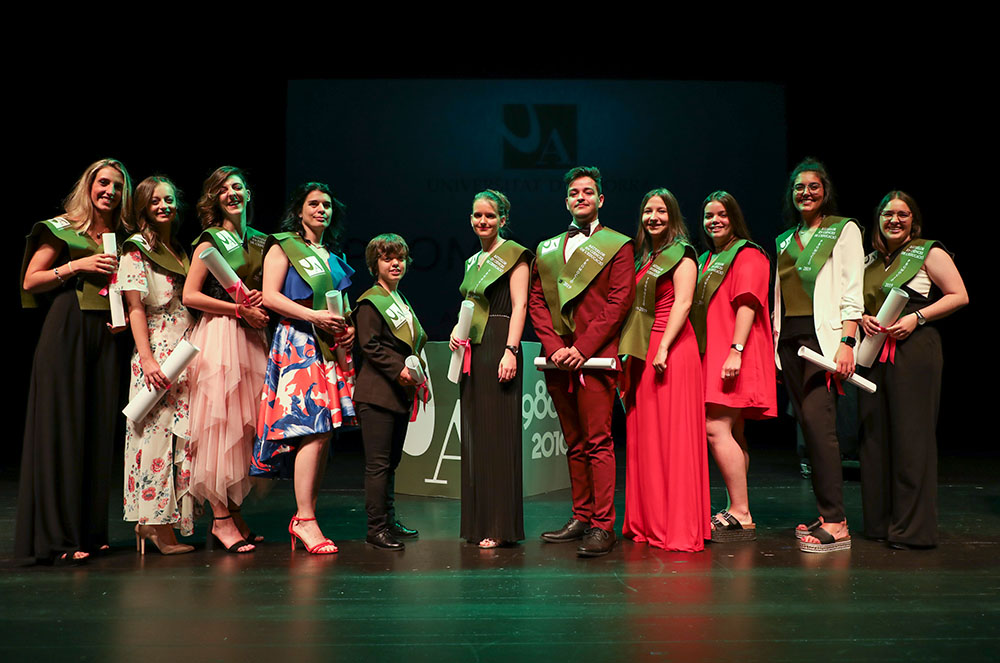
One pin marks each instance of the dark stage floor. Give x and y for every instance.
(444, 600)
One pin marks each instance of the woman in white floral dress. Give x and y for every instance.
(157, 449)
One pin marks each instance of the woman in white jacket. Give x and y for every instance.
(818, 302)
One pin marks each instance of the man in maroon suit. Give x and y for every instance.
(582, 288)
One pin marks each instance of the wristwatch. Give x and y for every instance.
(921, 320)
(849, 341)
(514, 350)
(737, 346)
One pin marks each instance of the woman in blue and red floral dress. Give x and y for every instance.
(307, 385)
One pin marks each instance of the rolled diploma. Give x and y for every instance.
(335, 305)
(461, 334)
(114, 297)
(223, 273)
(828, 365)
(143, 402)
(599, 363)
(893, 305)
(416, 371)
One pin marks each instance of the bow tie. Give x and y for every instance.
(577, 230)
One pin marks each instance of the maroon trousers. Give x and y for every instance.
(585, 416)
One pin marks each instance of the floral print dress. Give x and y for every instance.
(158, 448)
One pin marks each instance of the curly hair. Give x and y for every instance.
(208, 205)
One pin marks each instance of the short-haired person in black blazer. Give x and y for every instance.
(387, 333)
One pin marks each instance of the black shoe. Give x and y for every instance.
(384, 540)
(571, 531)
(597, 542)
(401, 531)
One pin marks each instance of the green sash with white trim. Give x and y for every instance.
(709, 281)
(161, 256)
(478, 279)
(88, 286)
(879, 280)
(816, 252)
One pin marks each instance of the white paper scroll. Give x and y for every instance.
(893, 305)
(114, 296)
(416, 370)
(183, 354)
(461, 334)
(335, 302)
(828, 365)
(598, 363)
(224, 274)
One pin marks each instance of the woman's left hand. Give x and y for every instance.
(731, 367)
(508, 367)
(660, 360)
(845, 361)
(903, 327)
(346, 338)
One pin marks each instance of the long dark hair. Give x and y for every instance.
(140, 211)
(291, 220)
(829, 205)
(736, 221)
(675, 226)
(916, 219)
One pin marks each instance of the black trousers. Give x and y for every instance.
(899, 443)
(382, 432)
(816, 409)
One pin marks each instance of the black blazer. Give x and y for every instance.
(381, 361)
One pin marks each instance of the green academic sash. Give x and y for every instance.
(562, 281)
(246, 262)
(88, 286)
(395, 318)
(709, 281)
(313, 269)
(478, 279)
(160, 257)
(639, 323)
(879, 280)
(816, 252)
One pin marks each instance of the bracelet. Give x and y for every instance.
(71, 268)
(237, 309)
(56, 270)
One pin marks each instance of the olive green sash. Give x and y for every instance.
(816, 252)
(639, 323)
(563, 281)
(247, 263)
(313, 269)
(161, 256)
(478, 279)
(709, 281)
(879, 280)
(88, 286)
(395, 318)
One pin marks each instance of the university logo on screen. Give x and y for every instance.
(539, 135)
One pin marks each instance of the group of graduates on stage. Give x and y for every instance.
(688, 341)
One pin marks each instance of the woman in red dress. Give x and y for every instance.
(666, 486)
(731, 319)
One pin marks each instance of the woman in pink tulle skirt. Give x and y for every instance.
(228, 374)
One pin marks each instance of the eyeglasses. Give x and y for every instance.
(902, 216)
(813, 187)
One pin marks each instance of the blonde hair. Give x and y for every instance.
(79, 208)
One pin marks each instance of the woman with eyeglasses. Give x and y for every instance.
(899, 445)
(818, 305)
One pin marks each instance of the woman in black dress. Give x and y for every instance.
(496, 282)
(62, 511)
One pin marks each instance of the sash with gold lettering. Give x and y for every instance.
(478, 279)
(709, 280)
(815, 254)
(879, 279)
(88, 286)
(562, 281)
(160, 257)
(639, 323)
(319, 276)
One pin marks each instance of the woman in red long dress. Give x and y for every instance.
(666, 473)
(733, 325)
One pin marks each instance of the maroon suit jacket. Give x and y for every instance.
(599, 312)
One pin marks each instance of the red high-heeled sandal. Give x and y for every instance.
(324, 547)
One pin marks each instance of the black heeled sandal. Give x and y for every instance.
(235, 548)
(252, 536)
